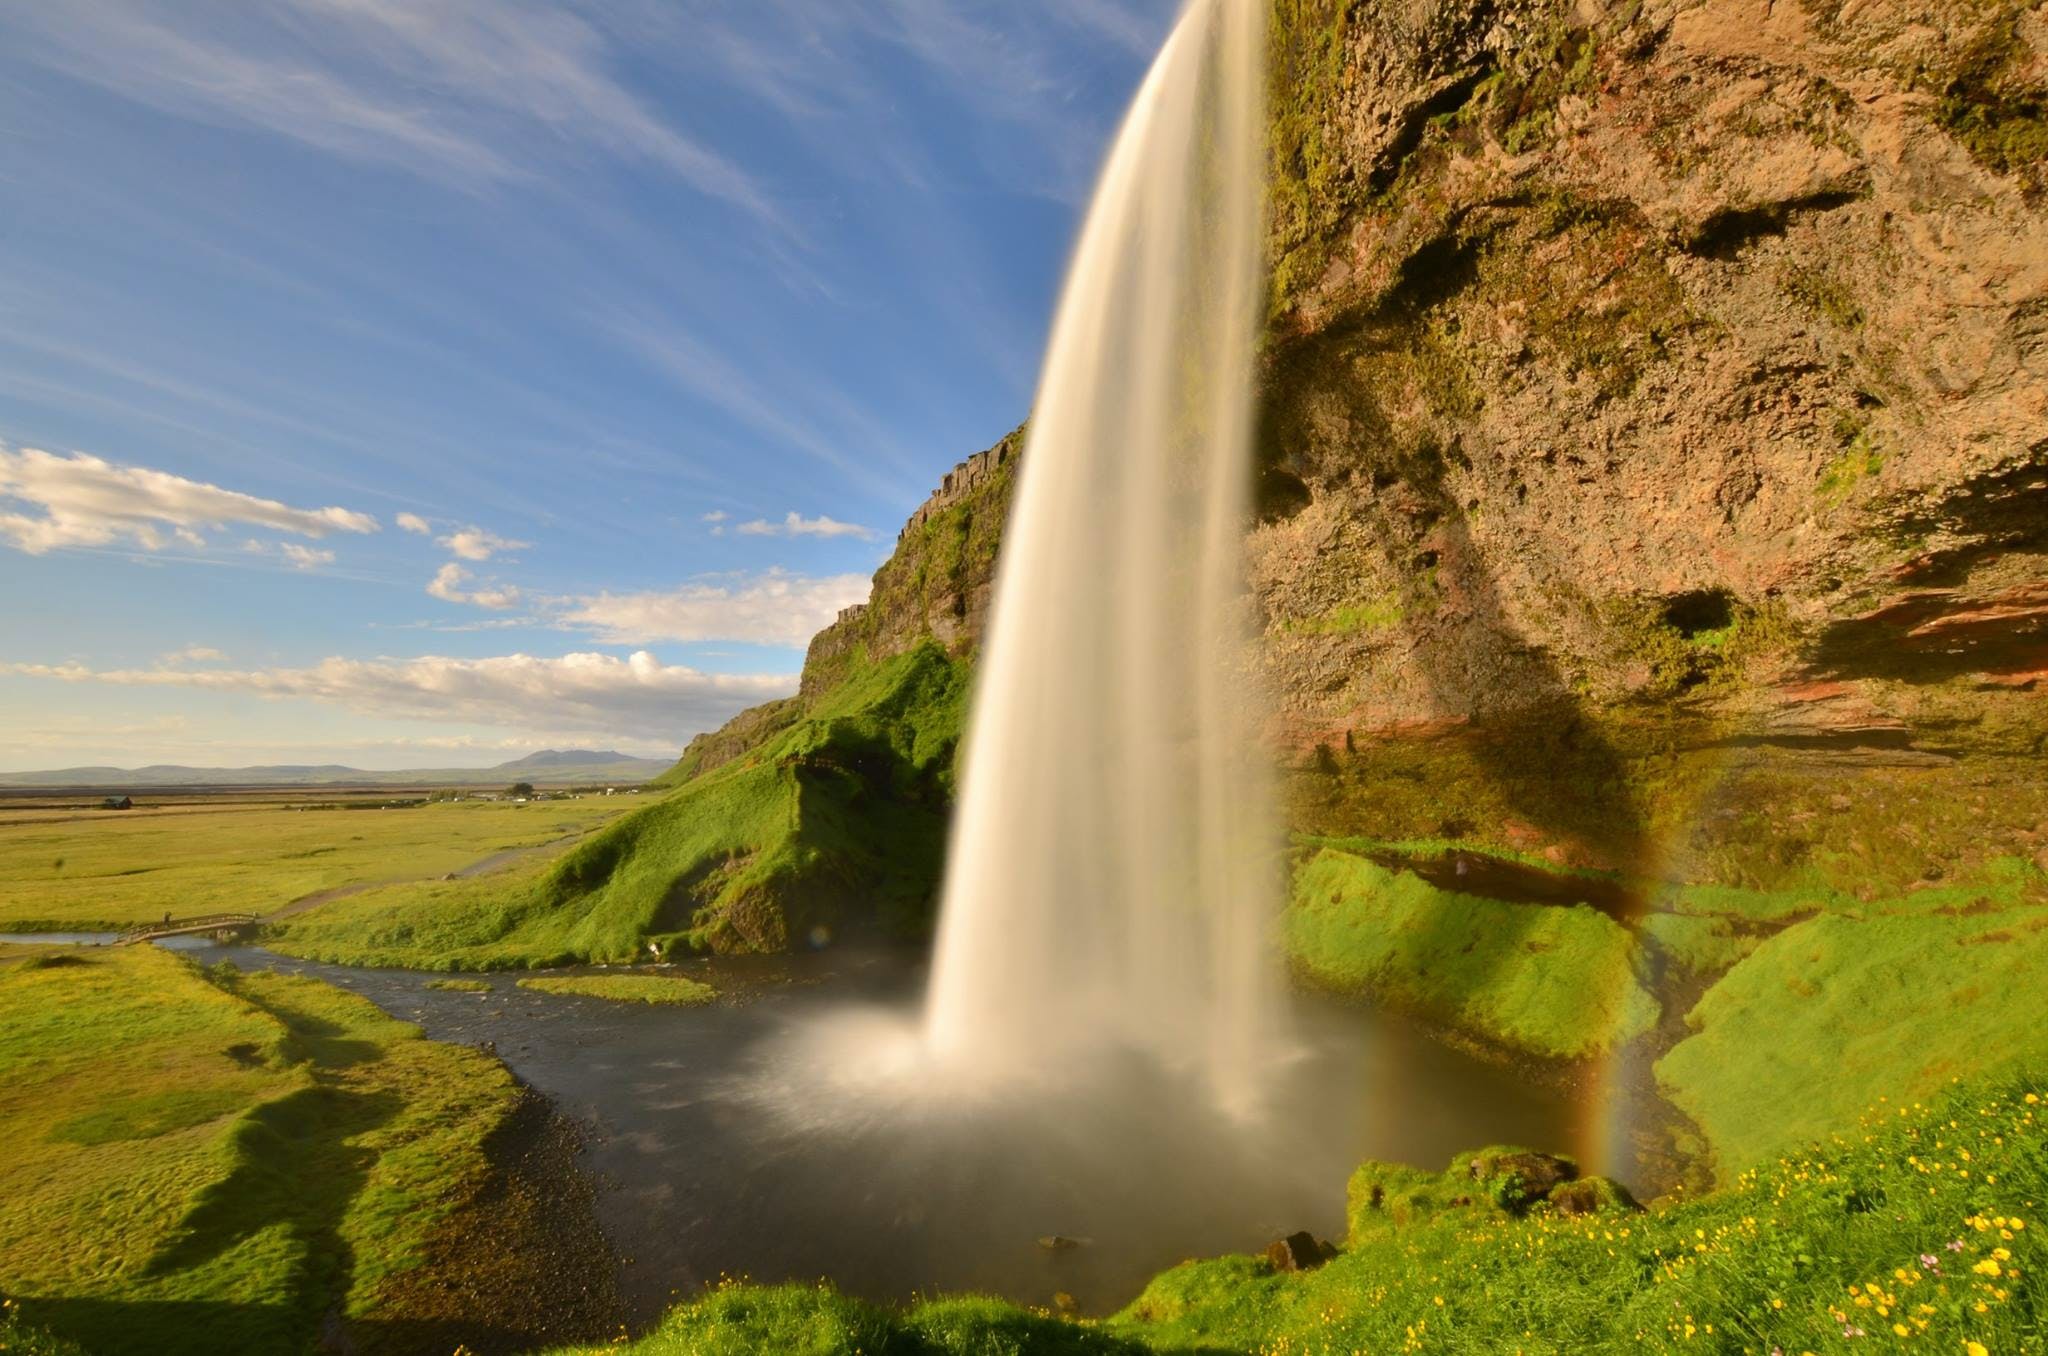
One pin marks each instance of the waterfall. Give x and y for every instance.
(1114, 871)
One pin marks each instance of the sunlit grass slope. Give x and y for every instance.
(1898, 994)
(1921, 1228)
(106, 870)
(837, 821)
(201, 1162)
(1553, 981)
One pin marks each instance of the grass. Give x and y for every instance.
(19, 1338)
(1552, 981)
(460, 985)
(1900, 995)
(627, 988)
(1858, 461)
(103, 871)
(1349, 618)
(1921, 1227)
(839, 821)
(258, 1149)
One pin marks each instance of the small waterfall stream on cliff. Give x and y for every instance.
(1112, 873)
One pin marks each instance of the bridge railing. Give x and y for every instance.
(204, 923)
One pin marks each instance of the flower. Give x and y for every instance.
(1930, 1261)
(1954, 1245)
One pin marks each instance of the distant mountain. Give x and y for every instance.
(549, 765)
(547, 758)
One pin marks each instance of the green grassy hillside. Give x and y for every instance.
(837, 822)
(1558, 982)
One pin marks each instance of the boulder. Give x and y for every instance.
(1592, 1196)
(1301, 1251)
(1517, 1178)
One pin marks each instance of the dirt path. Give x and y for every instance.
(497, 861)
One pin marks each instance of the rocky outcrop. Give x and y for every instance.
(936, 586)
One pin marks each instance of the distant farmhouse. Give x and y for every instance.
(118, 803)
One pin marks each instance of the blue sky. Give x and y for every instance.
(402, 383)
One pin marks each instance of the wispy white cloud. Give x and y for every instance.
(1007, 65)
(639, 696)
(794, 524)
(516, 89)
(305, 557)
(774, 608)
(86, 501)
(412, 522)
(450, 584)
(697, 368)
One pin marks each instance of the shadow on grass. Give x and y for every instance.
(214, 1328)
(297, 1170)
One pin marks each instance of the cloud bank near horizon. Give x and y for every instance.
(637, 698)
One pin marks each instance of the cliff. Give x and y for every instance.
(934, 588)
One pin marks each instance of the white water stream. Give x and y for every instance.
(1113, 875)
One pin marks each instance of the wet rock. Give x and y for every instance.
(1064, 1302)
(1592, 1196)
(1058, 1242)
(1517, 1178)
(1301, 1251)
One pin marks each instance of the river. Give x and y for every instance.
(722, 1148)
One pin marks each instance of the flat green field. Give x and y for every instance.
(104, 870)
(205, 1162)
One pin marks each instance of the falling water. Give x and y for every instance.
(1113, 873)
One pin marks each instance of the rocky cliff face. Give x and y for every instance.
(1641, 322)
(1655, 386)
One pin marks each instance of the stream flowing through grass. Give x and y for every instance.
(723, 1144)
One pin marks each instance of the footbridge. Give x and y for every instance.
(189, 927)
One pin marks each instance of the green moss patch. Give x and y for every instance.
(1350, 618)
(1551, 981)
(1892, 999)
(1993, 100)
